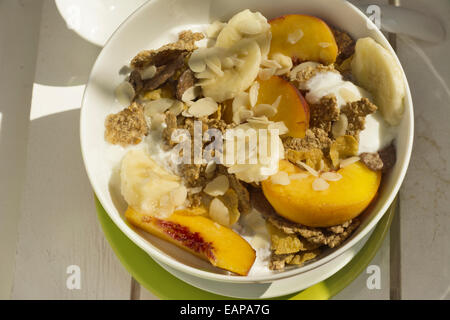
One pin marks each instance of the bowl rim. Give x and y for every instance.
(165, 258)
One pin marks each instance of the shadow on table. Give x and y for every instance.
(65, 59)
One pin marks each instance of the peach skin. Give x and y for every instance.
(219, 245)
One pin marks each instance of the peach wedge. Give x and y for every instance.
(293, 109)
(343, 200)
(303, 38)
(219, 245)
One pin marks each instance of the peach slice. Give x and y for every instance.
(343, 200)
(293, 109)
(304, 38)
(219, 245)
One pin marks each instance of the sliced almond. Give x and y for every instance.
(331, 176)
(178, 196)
(266, 73)
(324, 44)
(218, 186)
(203, 107)
(295, 36)
(190, 94)
(197, 60)
(298, 176)
(215, 65)
(219, 212)
(340, 126)
(148, 72)
(210, 168)
(241, 100)
(346, 162)
(283, 60)
(125, 93)
(320, 184)
(206, 74)
(214, 29)
(280, 72)
(301, 67)
(157, 106)
(276, 103)
(245, 114)
(281, 178)
(266, 110)
(271, 64)
(177, 107)
(309, 169)
(253, 93)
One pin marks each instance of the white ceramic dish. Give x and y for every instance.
(277, 288)
(158, 22)
(96, 20)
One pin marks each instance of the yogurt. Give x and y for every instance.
(377, 134)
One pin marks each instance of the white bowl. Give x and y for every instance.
(158, 22)
(96, 20)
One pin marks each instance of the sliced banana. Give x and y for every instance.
(376, 70)
(246, 25)
(145, 185)
(240, 77)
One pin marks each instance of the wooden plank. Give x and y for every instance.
(58, 230)
(425, 223)
(18, 49)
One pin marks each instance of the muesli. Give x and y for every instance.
(257, 144)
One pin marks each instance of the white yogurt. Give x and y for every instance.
(377, 133)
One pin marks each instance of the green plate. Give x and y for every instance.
(162, 284)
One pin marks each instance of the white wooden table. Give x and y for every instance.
(47, 216)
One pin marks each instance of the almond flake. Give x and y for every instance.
(266, 73)
(148, 73)
(266, 110)
(197, 60)
(320, 184)
(206, 74)
(276, 103)
(125, 93)
(271, 64)
(214, 65)
(219, 212)
(340, 126)
(298, 176)
(241, 100)
(280, 126)
(215, 28)
(309, 169)
(218, 186)
(295, 36)
(331, 176)
(300, 68)
(210, 168)
(253, 93)
(177, 107)
(280, 72)
(190, 94)
(348, 161)
(203, 107)
(178, 196)
(157, 106)
(283, 60)
(281, 178)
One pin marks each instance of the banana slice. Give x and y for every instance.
(240, 77)
(376, 70)
(145, 185)
(246, 25)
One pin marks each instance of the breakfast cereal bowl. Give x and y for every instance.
(157, 23)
